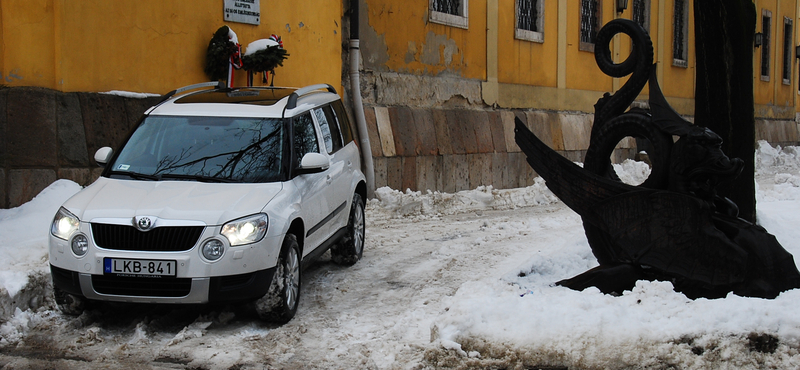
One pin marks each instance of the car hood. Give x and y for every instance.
(210, 203)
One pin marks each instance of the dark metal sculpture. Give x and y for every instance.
(673, 227)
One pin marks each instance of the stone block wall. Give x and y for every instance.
(778, 132)
(47, 135)
(452, 149)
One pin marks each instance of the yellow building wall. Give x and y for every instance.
(155, 46)
(676, 81)
(773, 97)
(582, 71)
(527, 62)
(763, 90)
(417, 46)
(784, 92)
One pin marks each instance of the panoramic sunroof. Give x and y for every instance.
(260, 96)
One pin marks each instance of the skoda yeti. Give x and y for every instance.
(218, 195)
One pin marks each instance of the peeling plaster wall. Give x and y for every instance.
(396, 89)
(398, 37)
(438, 50)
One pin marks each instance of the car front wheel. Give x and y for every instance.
(70, 304)
(280, 303)
(351, 248)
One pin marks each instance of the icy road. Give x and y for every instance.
(376, 314)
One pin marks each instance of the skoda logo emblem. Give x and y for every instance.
(143, 223)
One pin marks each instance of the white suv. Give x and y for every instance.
(218, 195)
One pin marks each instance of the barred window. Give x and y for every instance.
(590, 23)
(530, 20)
(449, 12)
(641, 13)
(787, 50)
(680, 30)
(447, 6)
(766, 26)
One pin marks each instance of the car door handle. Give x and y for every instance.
(328, 179)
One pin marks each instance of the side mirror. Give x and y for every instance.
(314, 162)
(103, 155)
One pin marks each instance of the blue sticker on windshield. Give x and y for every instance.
(123, 167)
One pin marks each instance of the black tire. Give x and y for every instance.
(279, 305)
(70, 304)
(350, 249)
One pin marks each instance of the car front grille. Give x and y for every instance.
(160, 239)
(142, 286)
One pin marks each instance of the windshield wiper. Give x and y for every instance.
(200, 178)
(135, 175)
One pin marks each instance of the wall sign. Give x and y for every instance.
(243, 11)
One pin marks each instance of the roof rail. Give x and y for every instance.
(217, 84)
(292, 103)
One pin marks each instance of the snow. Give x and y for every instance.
(460, 280)
(257, 45)
(129, 94)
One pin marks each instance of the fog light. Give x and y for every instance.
(213, 249)
(80, 245)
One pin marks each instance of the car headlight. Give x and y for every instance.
(245, 230)
(64, 224)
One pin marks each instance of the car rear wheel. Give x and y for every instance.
(351, 248)
(280, 302)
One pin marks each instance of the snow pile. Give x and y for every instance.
(777, 173)
(525, 319)
(23, 235)
(24, 270)
(390, 203)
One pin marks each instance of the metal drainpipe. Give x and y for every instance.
(358, 107)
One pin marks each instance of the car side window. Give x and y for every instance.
(305, 137)
(343, 121)
(330, 129)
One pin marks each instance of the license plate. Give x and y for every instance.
(129, 267)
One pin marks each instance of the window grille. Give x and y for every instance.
(766, 26)
(640, 13)
(588, 21)
(447, 6)
(449, 12)
(787, 50)
(679, 32)
(527, 15)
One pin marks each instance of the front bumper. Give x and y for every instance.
(216, 289)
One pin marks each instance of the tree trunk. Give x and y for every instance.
(724, 102)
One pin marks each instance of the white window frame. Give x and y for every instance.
(684, 60)
(460, 21)
(528, 35)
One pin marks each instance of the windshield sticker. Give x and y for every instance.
(123, 167)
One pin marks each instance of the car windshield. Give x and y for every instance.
(216, 149)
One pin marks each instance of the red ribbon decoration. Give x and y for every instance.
(277, 39)
(235, 63)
